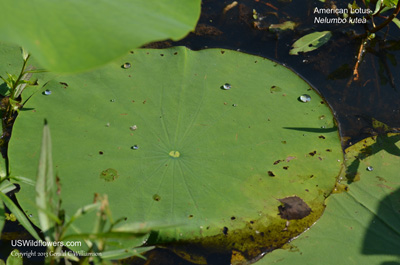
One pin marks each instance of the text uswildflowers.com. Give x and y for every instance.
(41, 243)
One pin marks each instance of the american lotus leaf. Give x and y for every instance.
(216, 162)
(361, 225)
(75, 35)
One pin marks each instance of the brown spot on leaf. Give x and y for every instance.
(290, 158)
(381, 179)
(293, 208)
(109, 174)
(271, 174)
(321, 137)
(277, 162)
(385, 186)
(312, 153)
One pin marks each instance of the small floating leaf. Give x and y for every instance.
(287, 25)
(310, 42)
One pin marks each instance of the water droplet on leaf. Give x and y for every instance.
(135, 147)
(305, 98)
(226, 86)
(126, 65)
(133, 128)
(370, 168)
(47, 92)
(112, 100)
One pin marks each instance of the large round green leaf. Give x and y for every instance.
(361, 225)
(167, 141)
(75, 35)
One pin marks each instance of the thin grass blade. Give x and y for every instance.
(45, 186)
(19, 215)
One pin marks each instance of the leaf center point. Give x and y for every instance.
(174, 154)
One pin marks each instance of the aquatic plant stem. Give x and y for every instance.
(387, 21)
(355, 76)
(21, 74)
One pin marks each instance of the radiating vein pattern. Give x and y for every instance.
(199, 155)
